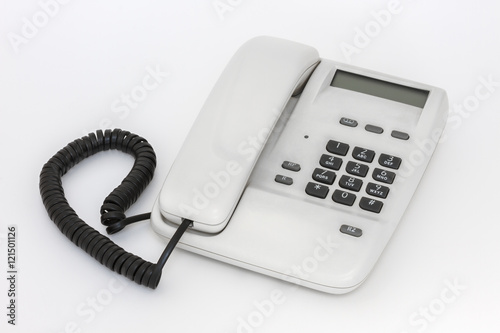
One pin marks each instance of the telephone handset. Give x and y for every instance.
(299, 167)
(246, 102)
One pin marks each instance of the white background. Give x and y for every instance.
(67, 77)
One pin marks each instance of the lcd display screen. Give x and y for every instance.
(379, 88)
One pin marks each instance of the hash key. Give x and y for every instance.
(371, 205)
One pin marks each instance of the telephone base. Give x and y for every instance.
(271, 240)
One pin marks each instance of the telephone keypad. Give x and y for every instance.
(349, 182)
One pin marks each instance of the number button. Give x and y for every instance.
(350, 183)
(389, 161)
(317, 190)
(343, 197)
(323, 176)
(377, 190)
(337, 148)
(330, 162)
(356, 169)
(371, 205)
(383, 176)
(363, 154)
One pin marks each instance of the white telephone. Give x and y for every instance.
(298, 167)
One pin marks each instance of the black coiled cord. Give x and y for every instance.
(116, 203)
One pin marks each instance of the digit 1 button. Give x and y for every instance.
(389, 161)
(283, 180)
(337, 148)
(317, 190)
(370, 205)
(351, 231)
(343, 197)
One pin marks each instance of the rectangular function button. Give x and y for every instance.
(337, 148)
(363, 154)
(317, 190)
(323, 176)
(348, 122)
(374, 129)
(343, 197)
(383, 176)
(283, 180)
(351, 231)
(389, 161)
(371, 205)
(400, 135)
(350, 183)
(330, 162)
(356, 169)
(377, 190)
(291, 166)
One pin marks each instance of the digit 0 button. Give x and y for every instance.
(343, 197)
